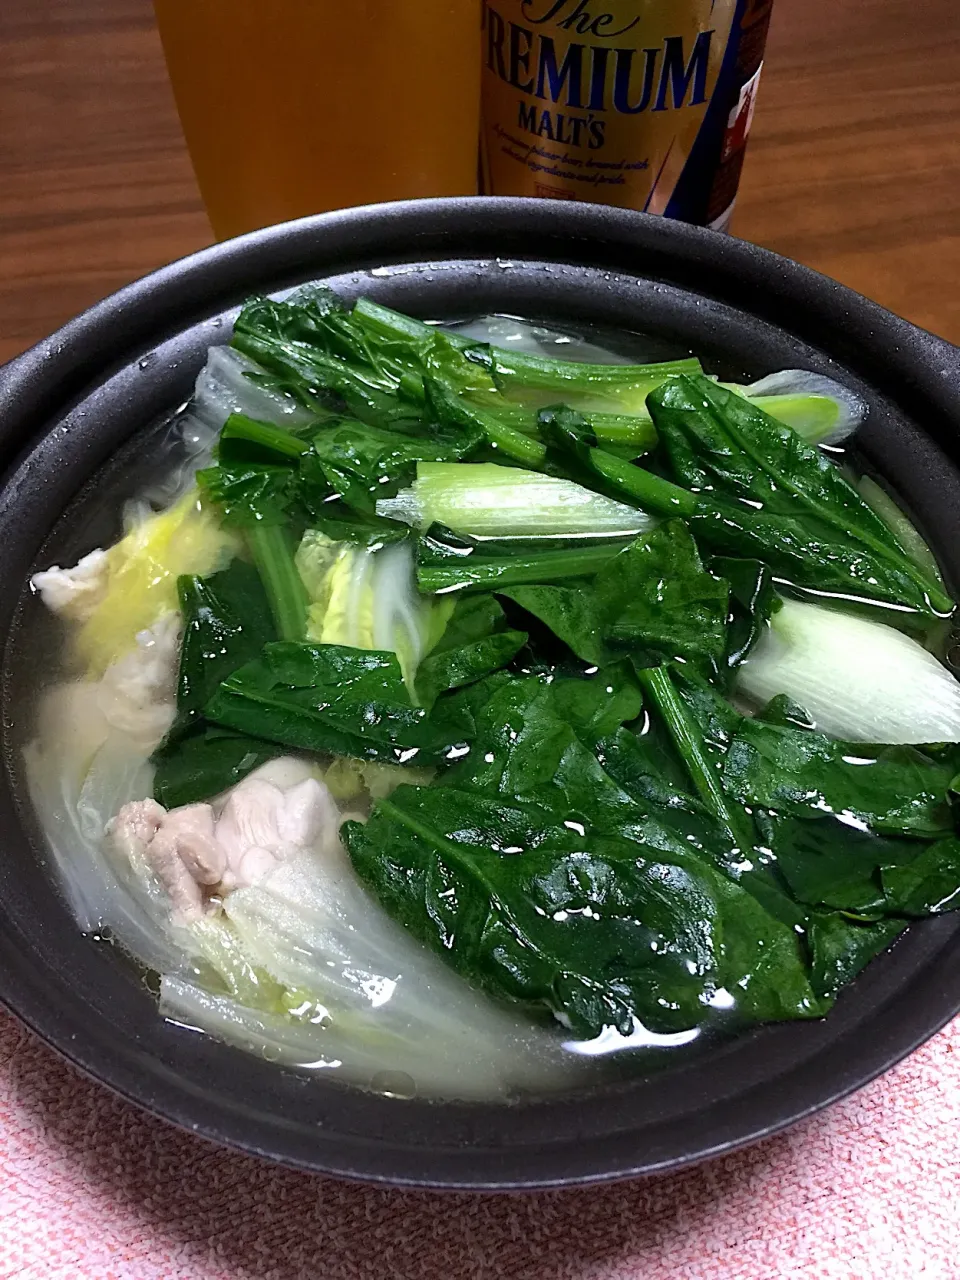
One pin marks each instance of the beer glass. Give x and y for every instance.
(290, 107)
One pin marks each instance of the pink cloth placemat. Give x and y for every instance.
(92, 1189)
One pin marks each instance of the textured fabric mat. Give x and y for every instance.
(92, 1189)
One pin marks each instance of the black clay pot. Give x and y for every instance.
(73, 405)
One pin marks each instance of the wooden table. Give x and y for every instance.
(854, 164)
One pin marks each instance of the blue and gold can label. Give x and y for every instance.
(645, 104)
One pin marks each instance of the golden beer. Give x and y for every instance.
(290, 107)
(640, 103)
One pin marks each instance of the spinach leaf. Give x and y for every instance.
(570, 612)
(753, 602)
(772, 762)
(448, 561)
(840, 948)
(653, 598)
(315, 347)
(341, 523)
(360, 463)
(697, 750)
(337, 700)
(803, 537)
(560, 742)
(829, 864)
(476, 641)
(256, 479)
(448, 406)
(893, 790)
(928, 884)
(530, 736)
(851, 842)
(601, 932)
(648, 767)
(599, 705)
(656, 598)
(226, 623)
(249, 493)
(206, 761)
(244, 437)
(549, 763)
(720, 443)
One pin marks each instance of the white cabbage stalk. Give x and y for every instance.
(385, 1002)
(487, 500)
(224, 387)
(453, 1063)
(818, 408)
(859, 680)
(76, 786)
(533, 339)
(221, 388)
(366, 597)
(91, 755)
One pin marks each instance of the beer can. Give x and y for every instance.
(645, 104)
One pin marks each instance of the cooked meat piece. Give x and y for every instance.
(134, 833)
(137, 693)
(259, 815)
(189, 833)
(74, 593)
(308, 813)
(192, 850)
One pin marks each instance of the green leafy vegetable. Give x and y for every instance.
(524, 378)
(226, 624)
(797, 515)
(840, 948)
(273, 550)
(753, 602)
(654, 599)
(361, 464)
(570, 612)
(656, 596)
(206, 762)
(719, 442)
(689, 744)
(448, 406)
(249, 493)
(324, 698)
(475, 642)
(317, 352)
(894, 790)
(599, 931)
(341, 701)
(259, 440)
(453, 562)
(340, 523)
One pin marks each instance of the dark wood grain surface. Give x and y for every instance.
(854, 164)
